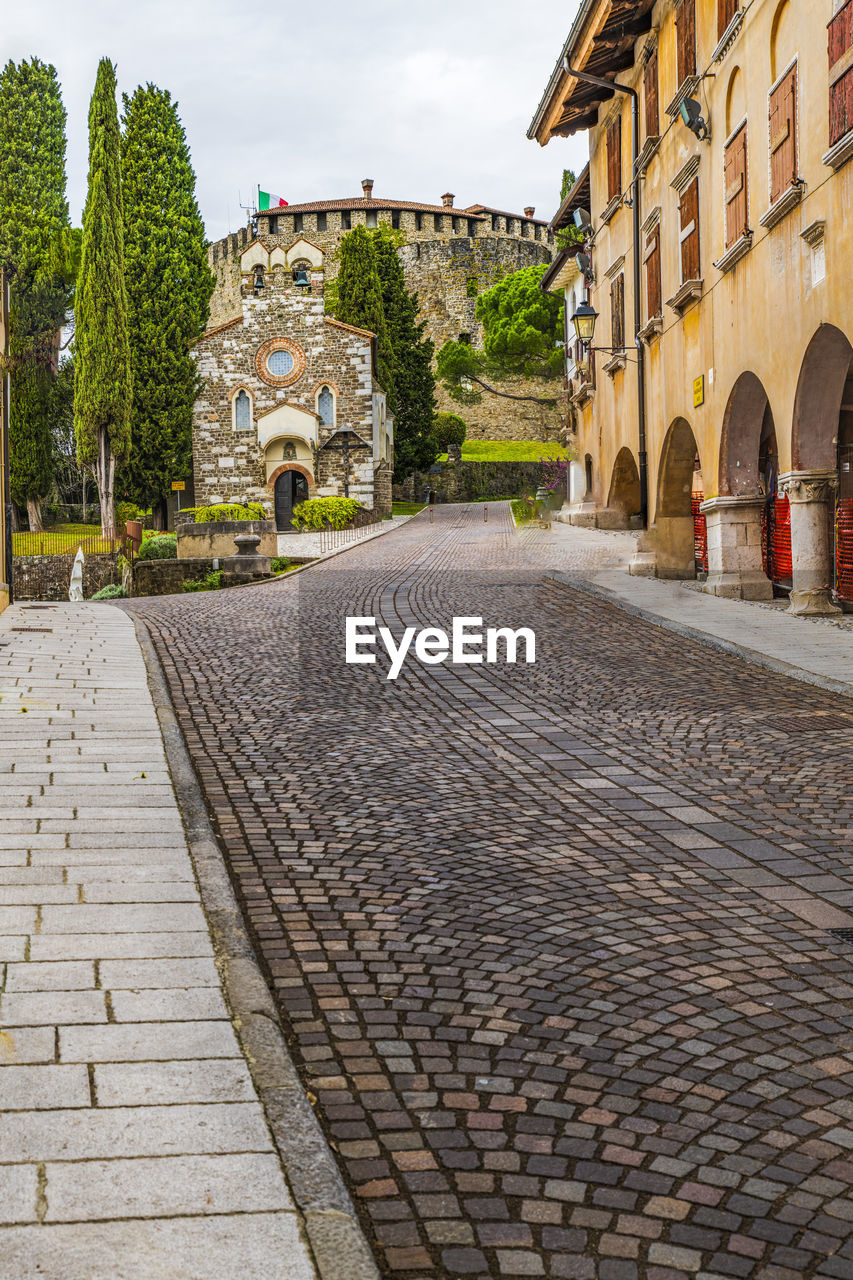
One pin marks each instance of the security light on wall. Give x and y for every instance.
(584, 262)
(582, 220)
(691, 114)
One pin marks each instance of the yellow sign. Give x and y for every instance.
(698, 391)
(178, 486)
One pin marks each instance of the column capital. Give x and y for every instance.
(809, 486)
(732, 501)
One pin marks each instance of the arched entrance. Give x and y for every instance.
(821, 447)
(748, 525)
(289, 489)
(623, 500)
(678, 538)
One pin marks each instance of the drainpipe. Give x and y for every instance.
(635, 210)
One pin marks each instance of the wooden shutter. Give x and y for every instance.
(841, 73)
(651, 253)
(650, 93)
(614, 159)
(726, 10)
(736, 194)
(685, 31)
(783, 135)
(689, 211)
(617, 312)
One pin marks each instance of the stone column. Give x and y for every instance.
(812, 496)
(735, 569)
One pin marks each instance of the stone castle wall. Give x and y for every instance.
(447, 266)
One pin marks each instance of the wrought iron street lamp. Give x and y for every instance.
(584, 320)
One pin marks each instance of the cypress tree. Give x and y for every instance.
(102, 383)
(358, 301)
(169, 285)
(35, 248)
(412, 353)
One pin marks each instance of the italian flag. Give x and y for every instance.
(266, 200)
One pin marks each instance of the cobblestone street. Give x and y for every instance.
(563, 952)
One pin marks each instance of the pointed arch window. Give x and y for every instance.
(242, 411)
(326, 406)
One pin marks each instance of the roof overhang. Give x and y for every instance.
(563, 271)
(602, 41)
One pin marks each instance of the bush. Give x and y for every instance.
(112, 591)
(229, 511)
(449, 429)
(325, 513)
(159, 546)
(129, 511)
(210, 582)
(525, 510)
(281, 564)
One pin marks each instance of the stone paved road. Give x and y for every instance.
(552, 944)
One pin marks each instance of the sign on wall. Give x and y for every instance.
(698, 391)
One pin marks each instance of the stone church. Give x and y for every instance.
(290, 407)
(450, 255)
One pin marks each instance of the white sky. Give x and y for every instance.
(307, 99)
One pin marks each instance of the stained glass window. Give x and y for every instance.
(326, 407)
(242, 412)
(280, 363)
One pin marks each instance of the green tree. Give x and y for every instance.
(102, 383)
(358, 301)
(35, 248)
(521, 329)
(169, 285)
(568, 237)
(412, 354)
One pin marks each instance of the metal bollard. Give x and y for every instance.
(485, 514)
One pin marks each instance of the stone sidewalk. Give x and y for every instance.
(818, 651)
(133, 1144)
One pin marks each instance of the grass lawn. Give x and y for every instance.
(509, 451)
(59, 540)
(407, 508)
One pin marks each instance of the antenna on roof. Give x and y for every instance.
(250, 210)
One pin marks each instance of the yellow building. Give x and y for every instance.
(736, 218)
(5, 496)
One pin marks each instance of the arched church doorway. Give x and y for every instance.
(291, 488)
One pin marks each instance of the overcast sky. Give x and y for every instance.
(307, 99)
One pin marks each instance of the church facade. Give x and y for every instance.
(290, 407)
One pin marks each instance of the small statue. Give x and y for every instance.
(75, 591)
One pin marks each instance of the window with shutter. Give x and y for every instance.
(685, 32)
(689, 234)
(614, 159)
(841, 73)
(651, 254)
(736, 194)
(650, 94)
(617, 312)
(726, 10)
(783, 134)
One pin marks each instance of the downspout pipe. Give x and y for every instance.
(642, 456)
